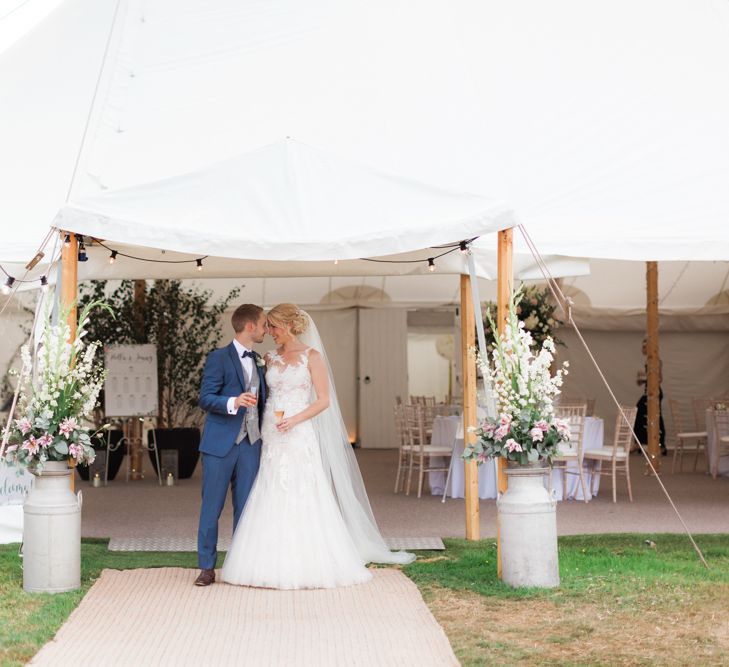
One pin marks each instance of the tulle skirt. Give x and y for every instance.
(292, 534)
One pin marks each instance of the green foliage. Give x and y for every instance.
(179, 321)
(535, 309)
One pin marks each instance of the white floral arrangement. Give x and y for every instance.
(535, 309)
(57, 397)
(525, 430)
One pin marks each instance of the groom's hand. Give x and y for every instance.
(246, 399)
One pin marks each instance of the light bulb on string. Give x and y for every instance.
(336, 261)
(431, 264)
(44, 284)
(67, 241)
(199, 264)
(112, 257)
(463, 246)
(8, 285)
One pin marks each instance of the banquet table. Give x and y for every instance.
(722, 466)
(592, 438)
(448, 431)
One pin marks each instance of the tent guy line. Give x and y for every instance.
(566, 304)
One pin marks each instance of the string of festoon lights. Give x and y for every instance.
(462, 246)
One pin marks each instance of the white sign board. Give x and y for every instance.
(130, 389)
(15, 483)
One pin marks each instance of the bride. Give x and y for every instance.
(307, 522)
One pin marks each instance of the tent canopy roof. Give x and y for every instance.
(285, 202)
(619, 153)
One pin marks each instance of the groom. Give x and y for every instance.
(233, 394)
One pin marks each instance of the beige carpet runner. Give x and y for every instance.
(157, 617)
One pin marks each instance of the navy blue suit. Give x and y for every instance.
(225, 463)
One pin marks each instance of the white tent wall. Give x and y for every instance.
(427, 370)
(695, 364)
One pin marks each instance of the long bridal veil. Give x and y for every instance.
(340, 465)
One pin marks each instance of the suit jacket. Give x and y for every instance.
(223, 377)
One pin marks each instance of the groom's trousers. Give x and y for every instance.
(237, 470)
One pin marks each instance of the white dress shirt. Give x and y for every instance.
(247, 365)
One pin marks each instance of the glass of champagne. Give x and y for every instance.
(278, 410)
(254, 391)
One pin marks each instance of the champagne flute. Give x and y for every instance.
(254, 391)
(278, 410)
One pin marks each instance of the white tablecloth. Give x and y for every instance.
(722, 468)
(592, 438)
(449, 431)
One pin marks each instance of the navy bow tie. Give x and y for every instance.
(247, 353)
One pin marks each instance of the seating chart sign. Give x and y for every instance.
(130, 389)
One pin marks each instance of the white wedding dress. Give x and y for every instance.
(292, 533)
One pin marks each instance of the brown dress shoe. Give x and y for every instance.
(205, 578)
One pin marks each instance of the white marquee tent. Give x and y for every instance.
(601, 125)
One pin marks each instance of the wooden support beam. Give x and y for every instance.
(468, 365)
(505, 287)
(653, 359)
(136, 430)
(69, 293)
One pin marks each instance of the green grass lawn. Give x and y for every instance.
(29, 620)
(620, 602)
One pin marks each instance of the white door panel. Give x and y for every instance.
(383, 371)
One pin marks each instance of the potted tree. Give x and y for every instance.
(184, 326)
(527, 435)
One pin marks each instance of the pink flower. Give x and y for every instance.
(502, 431)
(543, 425)
(45, 440)
(537, 434)
(11, 449)
(482, 458)
(506, 420)
(76, 451)
(488, 427)
(31, 446)
(23, 425)
(513, 446)
(68, 426)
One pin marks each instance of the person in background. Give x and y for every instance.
(641, 417)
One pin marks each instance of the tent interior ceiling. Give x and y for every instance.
(631, 144)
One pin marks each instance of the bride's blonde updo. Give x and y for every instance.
(289, 315)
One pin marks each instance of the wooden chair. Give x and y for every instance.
(421, 451)
(618, 455)
(574, 414)
(570, 401)
(721, 433)
(403, 447)
(683, 436)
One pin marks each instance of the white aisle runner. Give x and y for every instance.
(157, 617)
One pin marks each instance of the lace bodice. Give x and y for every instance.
(289, 385)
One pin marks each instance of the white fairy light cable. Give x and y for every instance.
(566, 304)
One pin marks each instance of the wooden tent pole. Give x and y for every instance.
(468, 365)
(505, 285)
(653, 362)
(69, 294)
